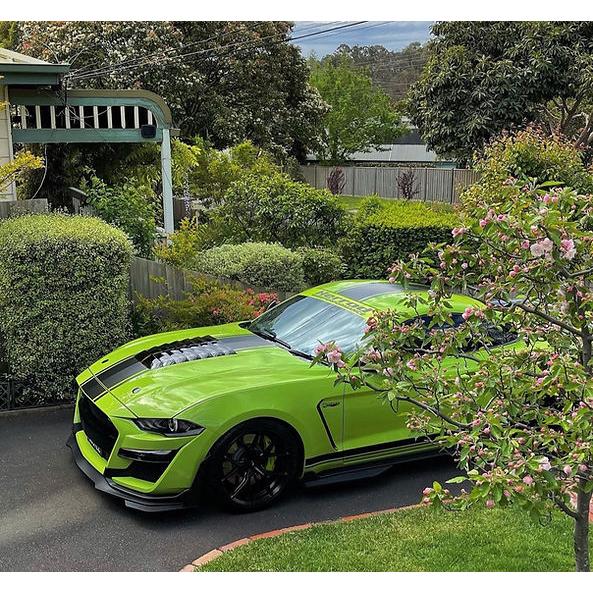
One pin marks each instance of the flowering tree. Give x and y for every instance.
(508, 388)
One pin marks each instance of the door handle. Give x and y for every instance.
(330, 404)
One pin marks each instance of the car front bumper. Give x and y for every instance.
(133, 500)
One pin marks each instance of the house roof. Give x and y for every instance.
(407, 153)
(18, 69)
(8, 56)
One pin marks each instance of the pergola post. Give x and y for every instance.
(167, 181)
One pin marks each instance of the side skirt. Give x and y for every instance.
(367, 469)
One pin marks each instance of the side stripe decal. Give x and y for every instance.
(420, 441)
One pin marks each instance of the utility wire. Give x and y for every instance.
(219, 37)
(238, 45)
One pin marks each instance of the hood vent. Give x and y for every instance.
(183, 351)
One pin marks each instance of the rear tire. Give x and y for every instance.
(253, 465)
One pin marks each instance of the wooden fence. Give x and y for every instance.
(15, 207)
(432, 184)
(152, 279)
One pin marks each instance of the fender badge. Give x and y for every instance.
(136, 390)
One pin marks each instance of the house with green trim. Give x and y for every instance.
(41, 108)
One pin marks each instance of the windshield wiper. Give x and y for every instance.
(300, 353)
(268, 334)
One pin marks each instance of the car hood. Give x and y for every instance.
(210, 362)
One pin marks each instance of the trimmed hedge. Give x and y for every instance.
(63, 297)
(276, 209)
(320, 264)
(384, 233)
(260, 264)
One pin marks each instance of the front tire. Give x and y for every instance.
(253, 465)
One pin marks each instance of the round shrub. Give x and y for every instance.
(320, 265)
(63, 297)
(534, 155)
(259, 264)
(276, 209)
(385, 234)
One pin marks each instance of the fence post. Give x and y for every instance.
(425, 182)
(354, 180)
(376, 180)
(452, 185)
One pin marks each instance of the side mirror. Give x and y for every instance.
(271, 304)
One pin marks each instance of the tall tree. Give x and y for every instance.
(485, 77)
(361, 116)
(226, 81)
(393, 71)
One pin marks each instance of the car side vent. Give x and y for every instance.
(183, 351)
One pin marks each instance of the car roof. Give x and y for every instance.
(364, 297)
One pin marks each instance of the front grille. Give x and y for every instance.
(97, 427)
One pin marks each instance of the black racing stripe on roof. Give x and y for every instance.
(367, 290)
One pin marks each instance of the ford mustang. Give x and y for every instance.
(238, 410)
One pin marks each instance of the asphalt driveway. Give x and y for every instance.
(51, 518)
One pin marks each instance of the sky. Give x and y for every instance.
(393, 35)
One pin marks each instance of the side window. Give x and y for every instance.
(426, 319)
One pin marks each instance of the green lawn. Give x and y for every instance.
(352, 203)
(419, 539)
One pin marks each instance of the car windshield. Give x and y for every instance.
(301, 323)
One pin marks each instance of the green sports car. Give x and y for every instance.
(238, 408)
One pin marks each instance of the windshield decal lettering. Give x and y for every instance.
(345, 303)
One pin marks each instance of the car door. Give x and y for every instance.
(374, 427)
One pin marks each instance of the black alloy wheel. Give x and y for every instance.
(254, 464)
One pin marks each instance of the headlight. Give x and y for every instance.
(169, 427)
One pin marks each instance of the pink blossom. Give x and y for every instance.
(411, 364)
(528, 480)
(426, 500)
(583, 468)
(427, 491)
(567, 246)
(544, 464)
(458, 231)
(388, 372)
(484, 222)
(507, 494)
(525, 244)
(320, 348)
(334, 356)
(567, 470)
(373, 355)
(542, 247)
(469, 311)
(490, 504)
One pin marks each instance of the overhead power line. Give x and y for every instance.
(111, 69)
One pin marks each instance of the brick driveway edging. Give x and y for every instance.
(216, 552)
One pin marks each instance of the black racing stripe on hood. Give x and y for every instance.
(244, 342)
(205, 346)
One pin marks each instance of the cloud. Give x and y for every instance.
(393, 35)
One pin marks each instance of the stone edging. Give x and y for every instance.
(216, 552)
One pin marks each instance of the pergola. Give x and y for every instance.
(42, 111)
